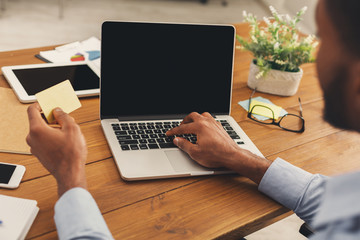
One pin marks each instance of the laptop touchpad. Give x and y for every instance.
(181, 162)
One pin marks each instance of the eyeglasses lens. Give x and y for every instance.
(292, 122)
(263, 114)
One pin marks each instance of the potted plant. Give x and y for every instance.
(278, 52)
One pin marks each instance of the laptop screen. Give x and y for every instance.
(154, 70)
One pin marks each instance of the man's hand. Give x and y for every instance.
(62, 151)
(215, 148)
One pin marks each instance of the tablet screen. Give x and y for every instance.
(37, 79)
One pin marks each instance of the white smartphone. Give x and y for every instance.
(11, 175)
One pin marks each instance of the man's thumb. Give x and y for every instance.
(183, 144)
(60, 116)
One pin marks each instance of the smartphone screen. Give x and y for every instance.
(6, 171)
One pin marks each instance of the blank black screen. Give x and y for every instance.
(6, 171)
(38, 79)
(163, 69)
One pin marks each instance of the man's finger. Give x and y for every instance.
(206, 114)
(188, 128)
(191, 117)
(28, 140)
(34, 115)
(184, 144)
(62, 118)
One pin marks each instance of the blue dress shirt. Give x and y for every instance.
(77, 216)
(331, 206)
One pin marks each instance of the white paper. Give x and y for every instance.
(17, 216)
(63, 54)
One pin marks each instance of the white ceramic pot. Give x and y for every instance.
(275, 82)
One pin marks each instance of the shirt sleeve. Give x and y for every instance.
(294, 188)
(77, 216)
(339, 215)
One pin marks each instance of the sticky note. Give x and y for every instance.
(61, 95)
(93, 55)
(263, 111)
(245, 105)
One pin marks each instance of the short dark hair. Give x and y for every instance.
(345, 15)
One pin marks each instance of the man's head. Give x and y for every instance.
(338, 61)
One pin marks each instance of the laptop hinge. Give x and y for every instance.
(149, 118)
(157, 117)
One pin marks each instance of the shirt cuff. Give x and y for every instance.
(285, 183)
(77, 215)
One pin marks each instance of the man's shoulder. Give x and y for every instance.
(340, 200)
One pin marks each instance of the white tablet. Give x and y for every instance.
(27, 80)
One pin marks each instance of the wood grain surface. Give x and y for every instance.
(209, 207)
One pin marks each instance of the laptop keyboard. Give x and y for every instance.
(151, 135)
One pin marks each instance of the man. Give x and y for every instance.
(330, 206)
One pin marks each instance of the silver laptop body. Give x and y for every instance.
(152, 76)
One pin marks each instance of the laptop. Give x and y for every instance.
(152, 76)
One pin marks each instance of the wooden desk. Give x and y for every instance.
(199, 207)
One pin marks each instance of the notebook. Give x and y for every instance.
(15, 124)
(17, 216)
(152, 76)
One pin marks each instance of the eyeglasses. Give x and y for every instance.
(289, 122)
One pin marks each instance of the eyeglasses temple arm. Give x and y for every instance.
(300, 107)
(252, 94)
